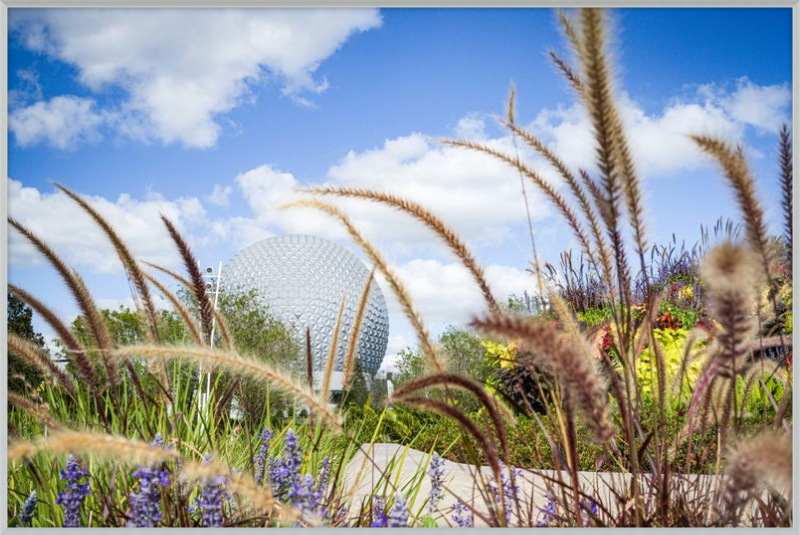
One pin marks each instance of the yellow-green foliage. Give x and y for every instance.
(673, 345)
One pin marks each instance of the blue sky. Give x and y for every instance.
(216, 117)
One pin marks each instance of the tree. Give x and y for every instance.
(464, 353)
(20, 322)
(358, 393)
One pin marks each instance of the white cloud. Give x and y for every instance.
(446, 293)
(62, 224)
(182, 68)
(63, 122)
(478, 196)
(29, 88)
(220, 196)
(764, 107)
(660, 142)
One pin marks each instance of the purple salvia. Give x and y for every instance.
(510, 489)
(436, 471)
(28, 508)
(209, 500)
(379, 519)
(261, 458)
(548, 512)
(462, 515)
(70, 500)
(398, 516)
(146, 504)
(318, 496)
(287, 471)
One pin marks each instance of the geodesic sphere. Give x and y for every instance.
(303, 279)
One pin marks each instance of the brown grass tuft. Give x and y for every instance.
(222, 325)
(605, 120)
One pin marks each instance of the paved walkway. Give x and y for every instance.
(407, 469)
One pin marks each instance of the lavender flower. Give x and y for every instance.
(209, 501)
(548, 512)
(436, 471)
(590, 506)
(318, 496)
(379, 519)
(70, 500)
(462, 515)
(286, 476)
(398, 516)
(510, 491)
(146, 504)
(28, 508)
(261, 458)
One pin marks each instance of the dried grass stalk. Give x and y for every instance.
(732, 276)
(84, 299)
(198, 284)
(34, 356)
(604, 117)
(765, 459)
(125, 256)
(237, 364)
(394, 282)
(222, 325)
(469, 385)
(577, 371)
(352, 343)
(426, 217)
(786, 188)
(41, 412)
(738, 175)
(182, 311)
(333, 352)
(550, 192)
(74, 351)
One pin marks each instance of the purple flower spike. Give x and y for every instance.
(548, 512)
(462, 515)
(287, 471)
(398, 516)
(28, 508)
(436, 471)
(70, 500)
(146, 504)
(261, 458)
(209, 501)
(379, 519)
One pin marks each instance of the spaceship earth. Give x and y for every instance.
(303, 279)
